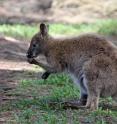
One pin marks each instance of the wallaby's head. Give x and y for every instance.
(38, 41)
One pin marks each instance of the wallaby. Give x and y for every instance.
(89, 59)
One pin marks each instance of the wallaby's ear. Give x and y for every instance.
(43, 29)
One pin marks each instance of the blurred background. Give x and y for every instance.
(23, 95)
(56, 11)
(65, 16)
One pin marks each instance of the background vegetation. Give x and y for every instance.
(106, 27)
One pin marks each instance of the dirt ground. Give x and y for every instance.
(13, 65)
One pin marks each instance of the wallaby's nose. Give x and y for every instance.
(28, 55)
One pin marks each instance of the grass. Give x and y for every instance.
(106, 27)
(33, 96)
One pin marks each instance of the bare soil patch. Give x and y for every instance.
(13, 65)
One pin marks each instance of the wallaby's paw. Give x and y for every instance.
(45, 75)
(30, 60)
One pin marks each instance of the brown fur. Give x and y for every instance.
(89, 56)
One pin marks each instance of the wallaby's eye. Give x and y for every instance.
(34, 45)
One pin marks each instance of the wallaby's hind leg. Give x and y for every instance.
(93, 84)
(92, 100)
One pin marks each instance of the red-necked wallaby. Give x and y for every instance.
(90, 60)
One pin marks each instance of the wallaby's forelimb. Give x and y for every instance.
(45, 75)
(48, 68)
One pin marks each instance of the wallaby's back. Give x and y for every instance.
(80, 48)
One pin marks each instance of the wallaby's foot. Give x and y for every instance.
(75, 104)
(80, 102)
(92, 103)
(45, 75)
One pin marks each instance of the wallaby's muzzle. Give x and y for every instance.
(29, 55)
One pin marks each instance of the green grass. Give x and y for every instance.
(106, 27)
(32, 104)
(33, 97)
